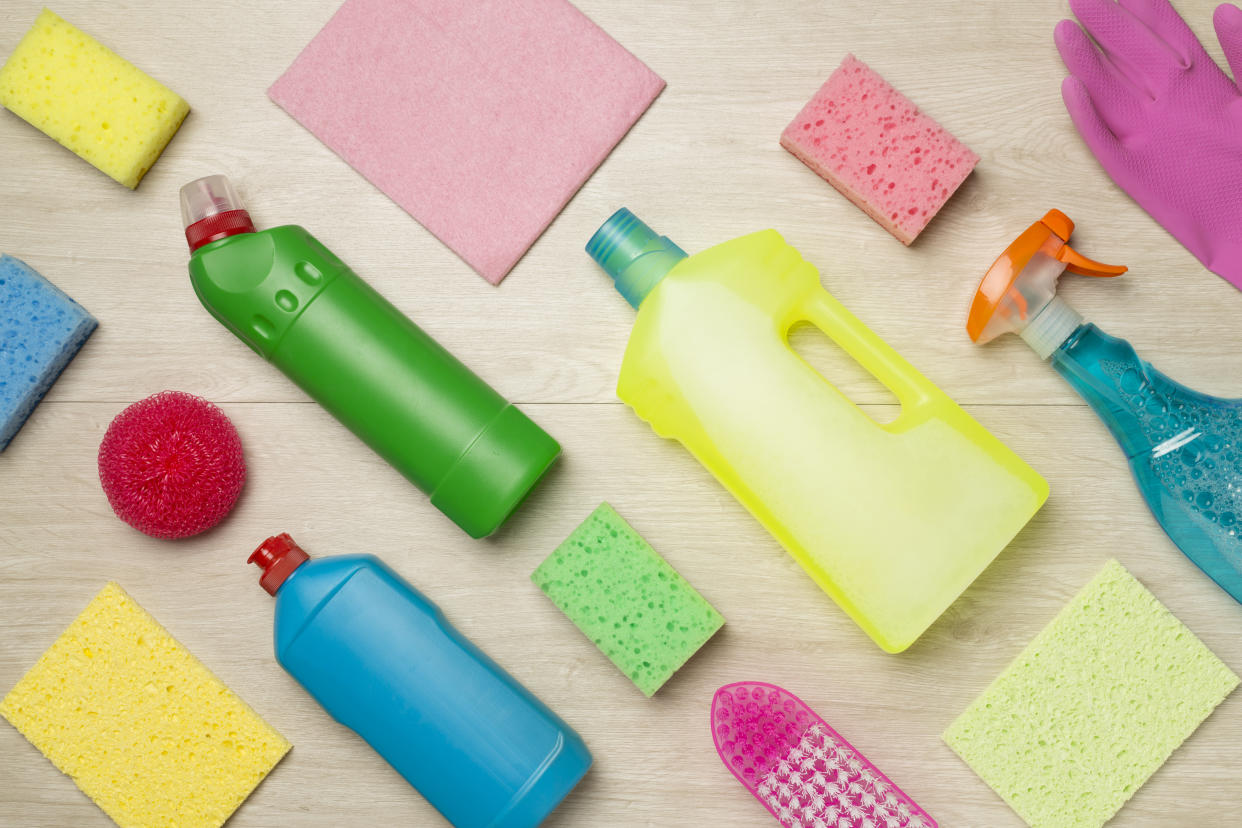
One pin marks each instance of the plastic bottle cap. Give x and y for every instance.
(633, 255)
(277, 556)
(211, 210)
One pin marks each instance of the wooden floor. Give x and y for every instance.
(703, 165)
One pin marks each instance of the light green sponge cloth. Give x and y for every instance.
(627, 599)
(1092, 707)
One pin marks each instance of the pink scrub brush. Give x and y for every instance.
(171, 465)
(799, 767)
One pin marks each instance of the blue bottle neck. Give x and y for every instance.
(1133, 399)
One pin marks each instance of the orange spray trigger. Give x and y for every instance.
(1062, 228)
(1022, 282)
(1075, 262)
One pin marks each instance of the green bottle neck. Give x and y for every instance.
(633, 255)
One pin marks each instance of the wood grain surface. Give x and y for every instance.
(703, 165)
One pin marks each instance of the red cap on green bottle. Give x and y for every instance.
(211, 210)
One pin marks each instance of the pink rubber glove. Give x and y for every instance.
(1162, 118)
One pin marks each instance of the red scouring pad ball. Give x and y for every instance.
(171, 465)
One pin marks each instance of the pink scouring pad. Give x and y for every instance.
(801, 769)
(871, 143)
(171, 465)
(481, 119)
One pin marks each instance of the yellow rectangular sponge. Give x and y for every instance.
(91, 100)
(1092, 707)
(142, 727)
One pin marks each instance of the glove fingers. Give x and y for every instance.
(1100, 139)
(1228, 20)
(1143, 57)
(1114, 98)
(1168, 25)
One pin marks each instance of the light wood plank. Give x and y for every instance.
(702, 166)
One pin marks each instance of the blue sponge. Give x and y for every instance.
(40, 331)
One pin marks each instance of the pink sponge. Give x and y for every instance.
(171, 465)
(871, 143)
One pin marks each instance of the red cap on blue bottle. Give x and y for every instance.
(277, 556)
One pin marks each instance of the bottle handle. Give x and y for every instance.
(862, 345)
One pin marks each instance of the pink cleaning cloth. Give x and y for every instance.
(802, 770)
(1162, 118)
(871, 143)
(481, 118)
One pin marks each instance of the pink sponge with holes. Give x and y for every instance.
(802, 770)
(171, 465)
(871, 143)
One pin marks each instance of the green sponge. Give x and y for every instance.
(627, 599)
(1092, 707)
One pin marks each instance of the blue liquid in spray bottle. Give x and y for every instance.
(1184, 447)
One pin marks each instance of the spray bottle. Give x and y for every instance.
(1184, 447)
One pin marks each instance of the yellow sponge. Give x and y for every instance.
(1092, 707)
(92, 101)
(141, 726)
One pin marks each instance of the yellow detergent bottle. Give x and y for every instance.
(893, 521)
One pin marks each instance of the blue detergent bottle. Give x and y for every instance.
(384, 661)
(1184, 447)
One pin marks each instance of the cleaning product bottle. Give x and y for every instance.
(1184, 447)
(893, 521)
(298, 306)
(384, 662)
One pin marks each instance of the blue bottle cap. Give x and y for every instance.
(633, 255)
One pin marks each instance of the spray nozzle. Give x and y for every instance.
(1018, 293)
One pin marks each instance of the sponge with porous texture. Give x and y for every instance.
(92, 101)
(41, 329)
(627, 599)
(876, 147)
(142, 727)
(1092, 707)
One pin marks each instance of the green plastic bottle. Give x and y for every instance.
(301, 308)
